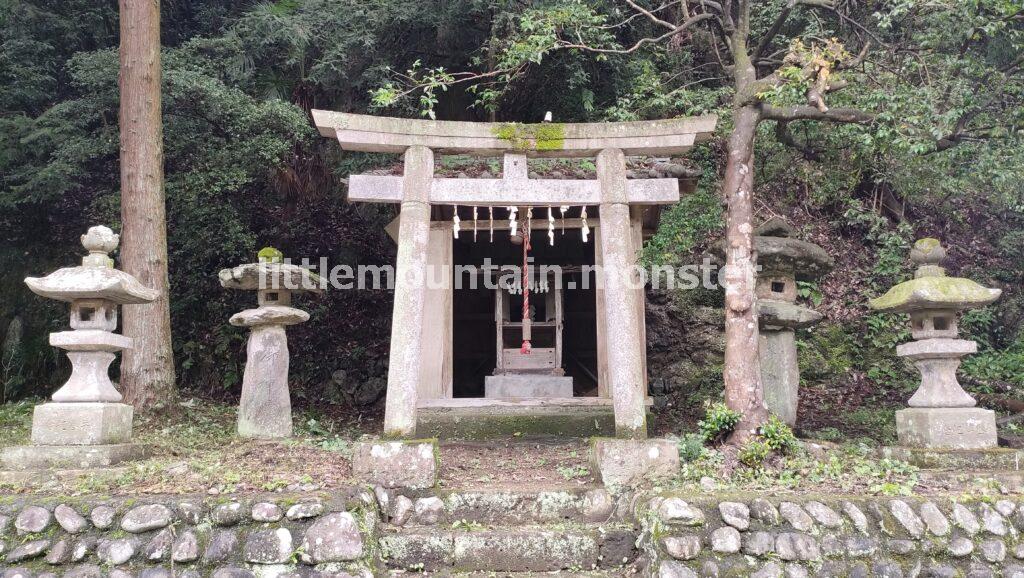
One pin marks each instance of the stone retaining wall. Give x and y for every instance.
(834, 537)
(359, 533)
(158, 537)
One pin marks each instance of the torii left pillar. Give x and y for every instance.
(410, 294)
(403, 462)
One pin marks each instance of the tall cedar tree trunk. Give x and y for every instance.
(742, 375)
(147, 370)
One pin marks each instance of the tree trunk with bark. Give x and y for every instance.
(147, 370)
(743, 392)
(742, 374)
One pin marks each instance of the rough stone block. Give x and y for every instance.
(23, 458)
(396, 464)
(950, 428)
(624, 462)
(81, 424)
(505, 386)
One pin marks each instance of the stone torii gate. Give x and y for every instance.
(417, 189)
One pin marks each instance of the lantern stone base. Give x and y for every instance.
(961, 428)
(410, 464)
(625, 462)
(66, 457)
(81, 424)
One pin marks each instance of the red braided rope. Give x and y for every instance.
(527, 347)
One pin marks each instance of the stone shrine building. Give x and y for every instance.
(562, 351)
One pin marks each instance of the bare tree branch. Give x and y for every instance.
(639, 43)
(650, 15)
(802, 112)
(766, 40)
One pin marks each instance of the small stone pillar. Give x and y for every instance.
(783, 260)
(941, 414)
(85, 424)
(265, 409)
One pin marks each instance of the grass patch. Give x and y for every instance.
(196, 450)
(16, 422)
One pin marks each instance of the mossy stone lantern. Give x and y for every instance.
(941, 414)
(783, 260)
(85, 424)
(265, 409)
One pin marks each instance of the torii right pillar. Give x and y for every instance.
(621, 298)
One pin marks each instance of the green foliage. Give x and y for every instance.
(718, 422)
(990, 366)
(810, 291)
(754, 453)
(691, 447)
(826, 352)
(778, 436)
(684, 227)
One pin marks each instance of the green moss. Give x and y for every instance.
(549, 137)
(270, 255)
(537, 137)
(936, 292)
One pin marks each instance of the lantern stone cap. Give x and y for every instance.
(269, 315)
(95, 278)
(778, 250)
(269, 273)
(931, 288)
(807, 260)
(773, 313)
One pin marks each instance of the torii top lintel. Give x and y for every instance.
(516, 142)
(360, 132)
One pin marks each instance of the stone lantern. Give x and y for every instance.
(783, 260)
(265, 409)
(941, 414)
(87, 409)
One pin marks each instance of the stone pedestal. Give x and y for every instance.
(623, 462)
(960, 428)
(81, 424)
(265, 409)
(938, 359)
(531, 386)
(410, 464)
(780, 372)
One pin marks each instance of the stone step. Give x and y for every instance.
(582, 505)
(496, 420)
(510, 549)
(1012, 481)
(1004, 459)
